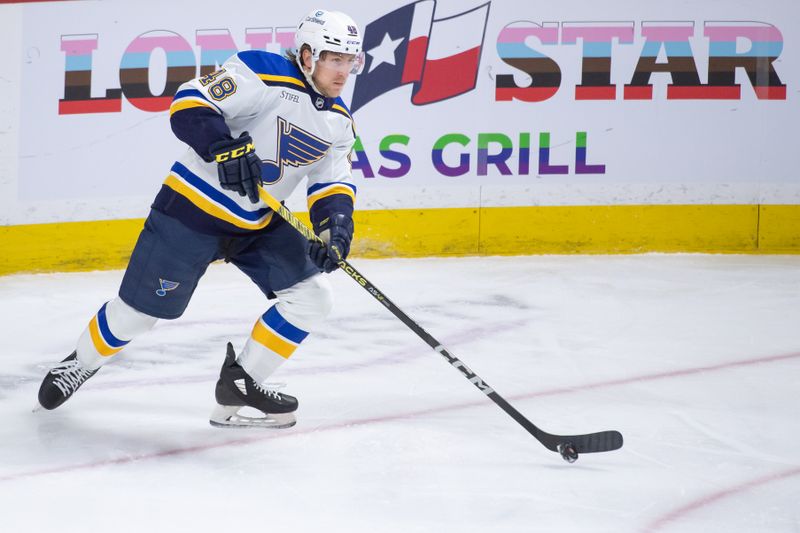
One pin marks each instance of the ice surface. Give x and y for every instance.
(694, 358)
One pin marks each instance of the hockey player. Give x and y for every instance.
(261, 119)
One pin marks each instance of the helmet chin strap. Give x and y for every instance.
(310, 74)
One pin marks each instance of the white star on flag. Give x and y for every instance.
(384, 52)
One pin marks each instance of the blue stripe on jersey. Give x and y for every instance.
(175, 205)
(279, 325)
(318, 186)
(109, 337)
(262, 62)
(218, 196)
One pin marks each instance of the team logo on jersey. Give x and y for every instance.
(296, 148)
(166, 285)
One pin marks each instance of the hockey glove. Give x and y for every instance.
(238, 166)
(337, 232)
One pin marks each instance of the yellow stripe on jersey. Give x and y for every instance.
(270, 340)
(99, 344)
(180, 105)
(283, 79)
(330, 191)
(212, 208)
(342, 110)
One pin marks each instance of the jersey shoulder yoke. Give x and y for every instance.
(273, 69)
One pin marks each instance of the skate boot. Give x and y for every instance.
(236, 390)
(62, 381)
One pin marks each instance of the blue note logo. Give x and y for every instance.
(166, 285)
(296, 148)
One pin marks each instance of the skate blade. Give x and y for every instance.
(227, 416)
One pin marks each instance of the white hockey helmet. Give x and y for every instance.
(331, 31)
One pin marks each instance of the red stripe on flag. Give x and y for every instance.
(448, 76)
(415, 59)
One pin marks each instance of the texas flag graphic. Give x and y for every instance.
(439, 56)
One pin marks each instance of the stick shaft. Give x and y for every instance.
(603, 441)
(429, 339)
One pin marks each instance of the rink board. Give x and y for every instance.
(484, 127)
(83, 246)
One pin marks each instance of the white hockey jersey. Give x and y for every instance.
(296, 132)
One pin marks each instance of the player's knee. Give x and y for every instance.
(125, 322)
(308, 303)
(116, 324)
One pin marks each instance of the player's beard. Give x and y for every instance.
(333, 88)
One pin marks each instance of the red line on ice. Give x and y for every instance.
(261, 436)
(400, 416)
(714, 497)
(662, 375)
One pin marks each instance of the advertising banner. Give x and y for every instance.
(472, 103)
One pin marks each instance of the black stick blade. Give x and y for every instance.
(605, 441)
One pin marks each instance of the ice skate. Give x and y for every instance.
(237, 390)
(62, 381)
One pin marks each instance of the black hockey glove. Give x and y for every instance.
(238, 166)
(337, 233)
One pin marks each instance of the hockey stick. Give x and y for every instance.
(569, 446)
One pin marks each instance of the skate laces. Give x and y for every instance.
(270, 389)
(70, 376)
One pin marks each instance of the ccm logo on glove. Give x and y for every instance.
(236, 153)
(238, 166)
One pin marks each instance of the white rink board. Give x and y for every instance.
(57, 167)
